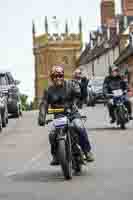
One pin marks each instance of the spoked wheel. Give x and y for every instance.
(0, 123)
(64, 156)
(122, 118)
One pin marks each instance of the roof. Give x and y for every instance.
(91, 54)
(127, 52)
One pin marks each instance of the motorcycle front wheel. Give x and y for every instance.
(64, 156)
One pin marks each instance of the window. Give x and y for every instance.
(3, 80)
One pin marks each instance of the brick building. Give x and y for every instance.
(127, 7)
(107, 11)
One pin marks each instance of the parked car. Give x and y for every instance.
(9, 88)
(96, 85)
(3, 109)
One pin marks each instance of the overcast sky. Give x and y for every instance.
(16, 24)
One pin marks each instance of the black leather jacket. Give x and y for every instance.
(113, 83)
(58, 97)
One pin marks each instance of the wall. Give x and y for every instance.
(101, 64)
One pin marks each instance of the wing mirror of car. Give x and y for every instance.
(89, 86)
(17, 82)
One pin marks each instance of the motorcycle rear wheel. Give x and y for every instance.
(64, 159)
(121, 117)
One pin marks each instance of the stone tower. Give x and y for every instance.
(127, 7)
(55, 49)
(107, 11)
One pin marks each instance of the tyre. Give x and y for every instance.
(122, 125)
(122, 117)
(6, 115)
(4, 119)
(65, 158)
(7, 120)
(17, 113)
(0, 123)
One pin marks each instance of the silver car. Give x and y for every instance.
(97, 88)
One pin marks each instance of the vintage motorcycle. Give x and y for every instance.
(68, 151)
(120, 110)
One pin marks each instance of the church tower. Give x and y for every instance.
(54, 49)
(107, 11)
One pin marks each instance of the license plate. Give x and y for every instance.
(117, 93)
(60, 122)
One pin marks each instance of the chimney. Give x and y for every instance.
(107, 11)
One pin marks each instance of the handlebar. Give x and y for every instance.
(83, 117)
(50, 120)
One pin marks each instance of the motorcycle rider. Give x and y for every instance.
(113, 82)
(63, 93)
(84, 92)
(83, 83)
(76, 79)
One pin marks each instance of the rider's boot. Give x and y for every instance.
(54, 161)
(53, 149)
(89, 156)
(82, 155)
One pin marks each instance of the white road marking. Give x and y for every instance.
(26, 166)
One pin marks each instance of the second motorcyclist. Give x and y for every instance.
(83, 83)
(114, 82)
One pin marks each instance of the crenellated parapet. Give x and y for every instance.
(46, 39)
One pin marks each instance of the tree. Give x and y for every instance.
(24, 103)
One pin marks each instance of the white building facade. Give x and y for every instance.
(99, 66)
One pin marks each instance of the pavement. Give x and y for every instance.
(25, 172)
